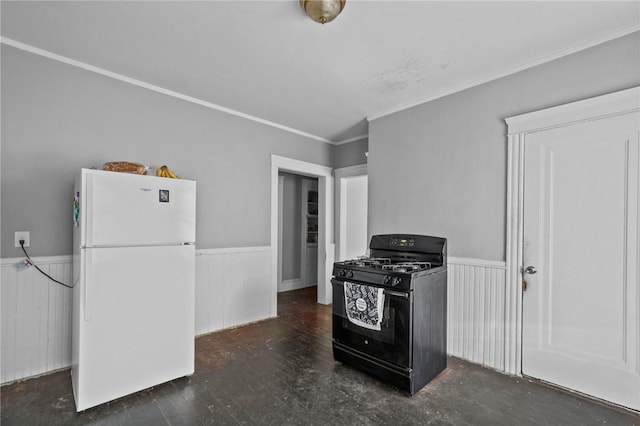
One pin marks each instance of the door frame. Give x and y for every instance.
(616, 103)
(280, 226)
(341, 176)
(325, 223)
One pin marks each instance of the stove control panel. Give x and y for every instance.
(402, 242)
(393, 281)
(344, 273)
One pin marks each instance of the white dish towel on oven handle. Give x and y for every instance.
(364, 305)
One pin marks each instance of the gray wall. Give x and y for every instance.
(440, 168)
(57, 119)
(351, 154)
(357, 242)
(292, 226)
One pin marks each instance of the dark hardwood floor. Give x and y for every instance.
(281, 372)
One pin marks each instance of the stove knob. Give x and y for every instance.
(396, 281)
(350, 274)
(386, 279)
(342, 272)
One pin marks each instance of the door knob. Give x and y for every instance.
(530, 270)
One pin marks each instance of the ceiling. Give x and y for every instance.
(269, 61)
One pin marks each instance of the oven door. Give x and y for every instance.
(392, 343)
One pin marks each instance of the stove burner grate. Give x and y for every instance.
(368, 262)
(385, 264)
(407, 267)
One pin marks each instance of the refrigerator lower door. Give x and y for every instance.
(136, 321)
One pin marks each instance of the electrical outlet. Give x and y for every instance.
(21, 235)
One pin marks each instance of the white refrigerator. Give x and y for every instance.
(134, 277)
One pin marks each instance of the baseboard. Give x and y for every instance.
(294, 284)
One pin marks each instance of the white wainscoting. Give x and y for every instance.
(232, 288)
(36, 313)
(36, 318)
(476, 311)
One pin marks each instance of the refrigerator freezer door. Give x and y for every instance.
(137, 324)
(124, 209)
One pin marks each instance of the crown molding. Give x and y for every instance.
(66, 60)
(472, 83)
(356, 138)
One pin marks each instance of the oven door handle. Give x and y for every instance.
(396, 294)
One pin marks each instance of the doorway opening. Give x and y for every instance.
(351, 211)
(297, 231)
(324, 218)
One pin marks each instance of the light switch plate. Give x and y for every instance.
(22, 235)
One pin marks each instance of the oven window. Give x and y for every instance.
(387, 330)
(392, 343)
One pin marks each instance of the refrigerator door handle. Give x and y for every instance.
(87, 287)
(88, 206)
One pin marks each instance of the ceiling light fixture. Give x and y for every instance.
(322, 11)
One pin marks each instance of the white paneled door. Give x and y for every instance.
(581, 252)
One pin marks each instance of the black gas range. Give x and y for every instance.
(389, 310)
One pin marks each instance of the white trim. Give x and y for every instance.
(280, 227)
(341, 175)
(357, 170)
(623, 101)
(517, 128)
(291, 165)
(225, 250)
(54, 56)
(353, 139)
(66, 60)
(325, 223)
(515, 229)
(472, 83)
(495, 264)
(39, 260)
